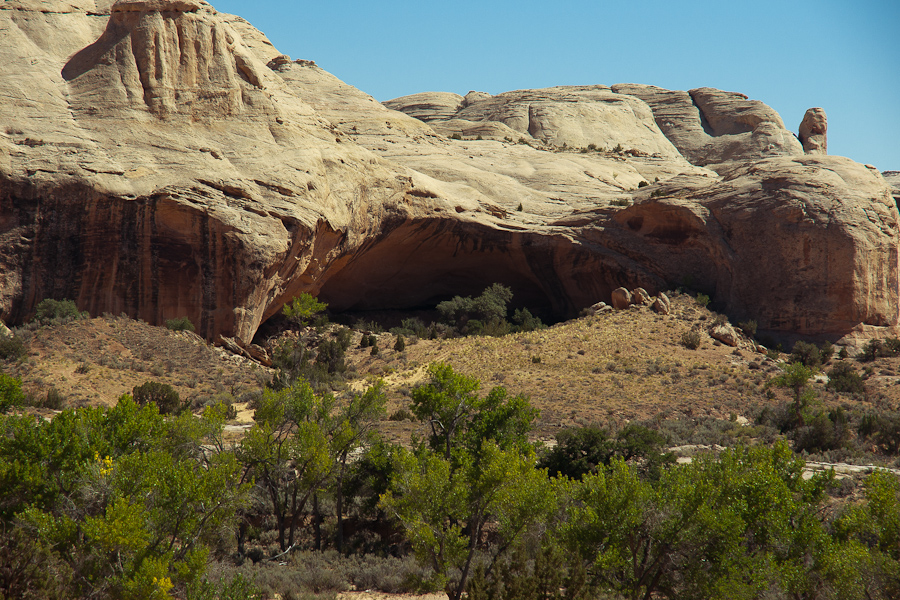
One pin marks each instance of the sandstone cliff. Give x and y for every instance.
(161, 159)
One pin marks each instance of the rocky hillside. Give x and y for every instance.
(161, 159)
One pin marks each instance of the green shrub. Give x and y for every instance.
(55, 399)
(892, 346)
(882, 429)
(702, 300)
(844, 378)
(525, 321)
(826, 351)
(584, 450)
(48, 311)
(870, 351)
(412, 326)
(400, 344)
(10, 393)
(485, 313)
(11, 348)
(180, 324)
(30, 568)
(806, 354)
(748, 328)
(643, 184)
(330, 356)
(368, 326)
(619, 202)
(162, 394)
(879, 348)
(402, 414)
(691, 339)
(822, 432)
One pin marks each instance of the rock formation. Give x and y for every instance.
(161, 159)
(814, 131)
(710, 127)
(621, 298)
(893, 180)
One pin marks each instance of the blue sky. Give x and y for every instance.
(792, 54)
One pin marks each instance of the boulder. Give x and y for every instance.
(640, 296)
(725, 333)
(814, 131)
(621, 298)
(600, 307)
(661, 304)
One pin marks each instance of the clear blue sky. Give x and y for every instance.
(792, 54)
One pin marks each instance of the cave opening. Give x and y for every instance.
(408, 270)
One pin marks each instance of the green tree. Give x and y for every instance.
(740, 525)
(10, 393)
(458, 418)
(288, 452)
(129, 502)
(303, 308)
(445, 510)
(356, 428)
(875, 525)
(478, 468)
(796, 377)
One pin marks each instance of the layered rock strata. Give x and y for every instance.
(161, 159)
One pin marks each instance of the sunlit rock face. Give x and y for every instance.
(161, 159)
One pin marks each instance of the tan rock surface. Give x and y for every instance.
(814, 131)
(621, 298)
(428, 106)
(893, 179)
(173, 162)
(804, 244)
(565, 116)
(709, 126)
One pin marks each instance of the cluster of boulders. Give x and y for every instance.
(622, 299)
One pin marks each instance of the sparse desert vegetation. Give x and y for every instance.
(477, 464)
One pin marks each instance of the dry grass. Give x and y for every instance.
(93, 362)
(617, 367)
(611, 368)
